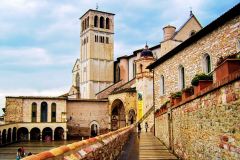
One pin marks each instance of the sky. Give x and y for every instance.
(40, 39)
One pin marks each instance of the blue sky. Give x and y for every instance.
(39, 39)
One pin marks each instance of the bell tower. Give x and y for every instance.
(96, 52)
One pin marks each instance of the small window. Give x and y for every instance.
(102, 39)
(87, 22)
(192, 33)
(162, 87)
(53, 114)
(134, 69)
(107, 40)
(207, 68)
(181, 77)
(34, 112)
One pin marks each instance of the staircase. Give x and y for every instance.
(146, 115)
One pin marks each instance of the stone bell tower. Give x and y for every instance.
(96, 52)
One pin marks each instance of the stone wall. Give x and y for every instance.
(14, 110)
(107, 146)
(80, 114)
(207, 125)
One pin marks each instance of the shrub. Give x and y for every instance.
(176, 94)
(201, 76)
(231, 56)
(189, 90)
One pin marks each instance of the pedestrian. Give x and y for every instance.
(18, 154)
(30, 153)
(139, 127)
(22, 152)
(146, 126)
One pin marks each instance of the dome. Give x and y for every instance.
(146, 52)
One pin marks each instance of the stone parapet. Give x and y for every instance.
(106, 146)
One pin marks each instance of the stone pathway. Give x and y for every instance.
(145, 147)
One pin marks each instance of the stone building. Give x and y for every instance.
(205, 125)
(105, 94)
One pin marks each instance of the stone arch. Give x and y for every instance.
(47, 134)
(59, 133)
(101, 22)
(132, 116)
(44, 111)
(107, 23)
(22, 134)
(94, 128)
(4, 136)
(118, 118)
(95, 21)
(14, 134)
(9, 135)
(35, 134)
(207, 65)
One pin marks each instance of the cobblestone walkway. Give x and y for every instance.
(145, 147)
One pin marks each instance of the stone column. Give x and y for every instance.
(29, 136)
(65, 135)
(53, 136)
(40, 136)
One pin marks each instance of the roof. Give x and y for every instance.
(96, 11)
(124, 90)
(37, 97)
(230, 14)
(88, 100)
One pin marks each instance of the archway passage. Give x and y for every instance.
(47, 134)
(118, 118)
(9, 135)
(4, 138)
(59, 134)
(94, 130)
(132, 116)
(35, 134)
(22, 134)
(14, 134)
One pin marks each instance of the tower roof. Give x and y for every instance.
(96, 11)
(146, 52)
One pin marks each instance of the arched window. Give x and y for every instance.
(77, 80)
(95, 21)
(181, 77)
(101, 22)
(87, 22)
(162, 87)
(94, 126)
(107, 23)
(207, 68)
(44, 110)
(53, 110)
(34, 112)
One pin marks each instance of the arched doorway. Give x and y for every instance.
(131, 116)
(35, 134)
(22, 134)
(47, 134)
(14, 134)
(9, 135)
(44, 110)
(59, 133)
(4, 138)
(118, 118)
(94, 128)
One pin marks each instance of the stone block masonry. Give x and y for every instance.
(206, 126)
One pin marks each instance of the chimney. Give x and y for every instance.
(168, 32)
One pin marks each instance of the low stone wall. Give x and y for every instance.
(107, 146)
(206, 126)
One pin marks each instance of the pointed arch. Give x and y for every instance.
(101, 22)
(95, 21)
(107, 23)
(207, 65)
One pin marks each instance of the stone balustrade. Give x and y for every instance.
(106, 146)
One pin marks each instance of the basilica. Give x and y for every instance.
(108, 94)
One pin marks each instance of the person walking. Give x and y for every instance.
(146, 126)
(139, 127)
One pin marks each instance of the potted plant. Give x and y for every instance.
(201, 81)
(187, 92)
(164, 106)
(176, 97)
(227, 65)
